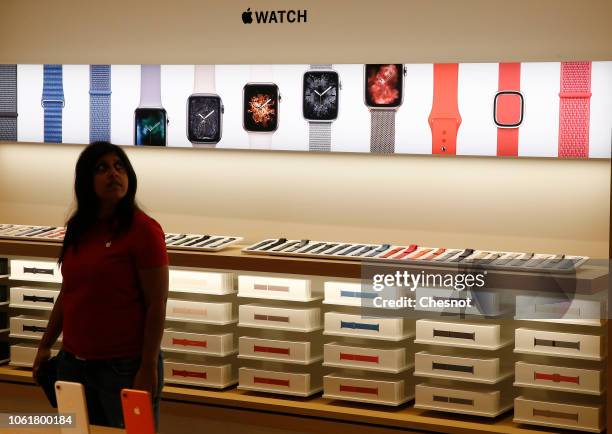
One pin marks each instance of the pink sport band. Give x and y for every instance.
(574, 109)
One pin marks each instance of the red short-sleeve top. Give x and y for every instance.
(103, 305)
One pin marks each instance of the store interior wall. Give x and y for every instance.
(515, 204)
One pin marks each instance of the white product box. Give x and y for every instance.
(178, 341)
(580, 417)
(195, 311)
(481, 401)
(489, 370)
(552, 343)
(33, 298)
(215, 376)
(280, 318)
(275, 288)
(23, 355)
(392, 360)
(344, 324)
(36, 271)
(348, 294)
(28, 327)
(303, 353)
(201, 282)
(460, 334)
(298, 384)
(372, 390)
(585, 381)
(554, 309)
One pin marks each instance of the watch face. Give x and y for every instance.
(384, 85)
(204, 115)
(321, 97)
(150, 128)
(508, 109)
(260, 111)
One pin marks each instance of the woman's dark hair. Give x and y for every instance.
(87, 203)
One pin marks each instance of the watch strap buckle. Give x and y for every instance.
(44, 101)
(8, 115)
(575, 95)
(100, 92)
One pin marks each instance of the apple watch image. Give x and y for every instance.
(320, 104)
(150, 118)
(204, 109)
(383, 95)
(260, 107)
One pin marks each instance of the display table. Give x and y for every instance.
(329, 414)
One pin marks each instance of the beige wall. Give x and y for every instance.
(526, 204)
(338, 31)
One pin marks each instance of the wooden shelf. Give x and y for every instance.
(404, 416)
(590, 278)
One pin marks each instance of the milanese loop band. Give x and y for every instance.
(382, 133)
(8, 102)
(319, 136)
(99, 103)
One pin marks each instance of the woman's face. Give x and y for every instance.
(110, 179)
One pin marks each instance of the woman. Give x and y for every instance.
(112, 303)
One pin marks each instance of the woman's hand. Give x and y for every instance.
(146, 378)
(42, 355)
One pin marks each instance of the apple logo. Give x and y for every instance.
(247, 16)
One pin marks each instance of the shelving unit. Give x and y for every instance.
(590, 279)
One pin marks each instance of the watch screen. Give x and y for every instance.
(260, 107)
(321, 96)
(150, 127)
(204, 119)
(384, 85)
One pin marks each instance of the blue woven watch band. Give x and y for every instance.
(53, 102)
(8, 102)
(99, 103)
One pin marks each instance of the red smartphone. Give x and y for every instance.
(137, 412)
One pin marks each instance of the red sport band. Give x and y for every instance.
(391, 252)
(420, 254)
(411, 248)
(508, 108)
(444, 118)
(574, 109)
(432, 255)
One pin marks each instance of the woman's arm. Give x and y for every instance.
(54, 329)
(154, 284)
